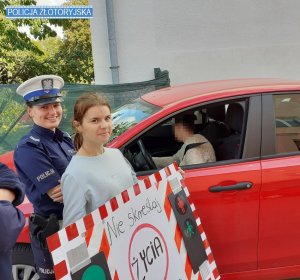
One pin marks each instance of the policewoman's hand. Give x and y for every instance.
(55, 194)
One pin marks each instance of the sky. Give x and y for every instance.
(58, 29)
(50, 2)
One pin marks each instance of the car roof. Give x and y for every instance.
(168, 96)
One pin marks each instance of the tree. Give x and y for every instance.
(75, 55)
(22, 58)
(13, 42)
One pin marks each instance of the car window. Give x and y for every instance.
(222, 124)
(225, 128)
(287, 115)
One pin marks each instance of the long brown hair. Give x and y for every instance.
(82, 104)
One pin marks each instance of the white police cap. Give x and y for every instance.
(41, 90)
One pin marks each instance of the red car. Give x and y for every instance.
(249, 198)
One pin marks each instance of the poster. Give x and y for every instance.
(139, 235)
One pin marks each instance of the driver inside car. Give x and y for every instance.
(196, 148)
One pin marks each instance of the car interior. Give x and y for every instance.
(223, 124)
(287, 124)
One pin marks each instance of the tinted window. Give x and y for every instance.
(287, 114)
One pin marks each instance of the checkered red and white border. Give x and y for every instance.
(89, 229)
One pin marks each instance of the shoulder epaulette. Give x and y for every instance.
(33, 140)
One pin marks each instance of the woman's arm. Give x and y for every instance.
(74, 200)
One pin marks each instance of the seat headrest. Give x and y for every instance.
(217, 113)
(234, 116)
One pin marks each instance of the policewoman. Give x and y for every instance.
(41, 157)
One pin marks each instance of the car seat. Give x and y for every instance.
(229, 146)
(216, 127)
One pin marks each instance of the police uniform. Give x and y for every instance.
(11, 219)
(41, 157)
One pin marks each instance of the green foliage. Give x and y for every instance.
(11, 112)
(75, 56)
(22, 57)
(12, 38)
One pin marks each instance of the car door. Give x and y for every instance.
(230, 217)
(226, 192)
(279, 231)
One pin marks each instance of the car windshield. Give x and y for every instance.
(130, 114)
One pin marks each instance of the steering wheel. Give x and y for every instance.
(148, 158)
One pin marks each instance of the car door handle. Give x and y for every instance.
(236, 187)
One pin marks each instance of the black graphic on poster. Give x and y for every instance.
(97, 269)
(189, 230)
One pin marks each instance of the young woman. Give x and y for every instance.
(96, 173)
(40, 159)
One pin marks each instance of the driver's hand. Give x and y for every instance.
(181, 171)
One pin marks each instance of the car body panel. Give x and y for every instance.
(218, 89)
(230, 218)
(279, 273)
(7, 159)
(279, 213)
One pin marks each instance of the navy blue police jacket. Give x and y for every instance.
(11, 219)
(41, 157)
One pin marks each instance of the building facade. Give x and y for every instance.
(195, 40)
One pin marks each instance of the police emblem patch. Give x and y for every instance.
(47, 85)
